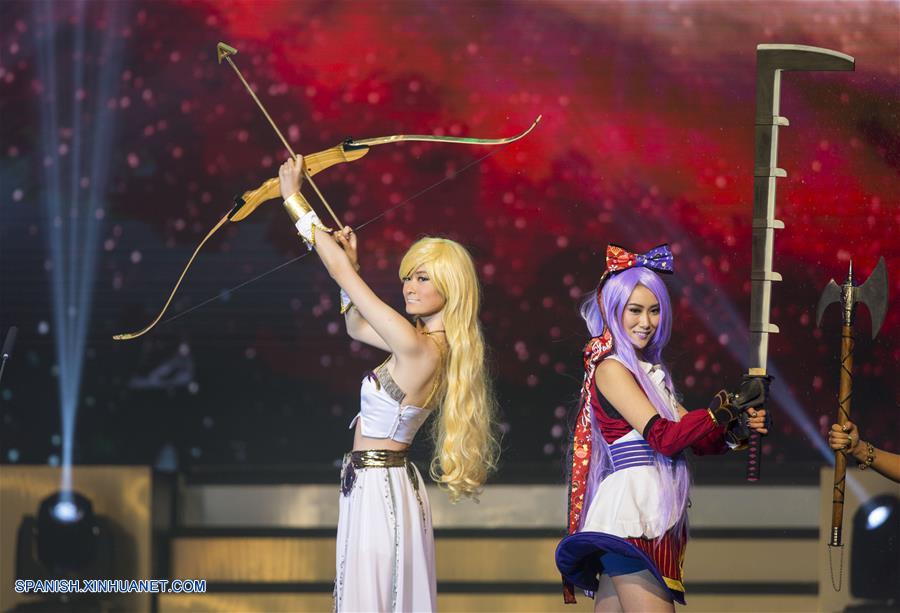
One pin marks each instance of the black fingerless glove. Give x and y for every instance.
(723, 409)
(754, 392)
(730, 410)
(737, 434)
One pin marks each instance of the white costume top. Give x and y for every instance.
(385, 541)
(627, 502)
(382, 413)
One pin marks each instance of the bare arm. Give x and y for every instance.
(360, 330)
(665, 436)
(617, 384)
(398, 335)
(668, 437)
(357, 327)
(846, 440)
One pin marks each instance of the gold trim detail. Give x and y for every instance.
(377, 458)
(387, 382)
(674, 585)
(297, 206)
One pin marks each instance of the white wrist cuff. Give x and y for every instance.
(306, 227)
(346, 303)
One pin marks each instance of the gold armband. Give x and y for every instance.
(297, 206)
(305, 219)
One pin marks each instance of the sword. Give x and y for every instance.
(771, 60)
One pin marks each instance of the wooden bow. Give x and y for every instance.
(348, 151)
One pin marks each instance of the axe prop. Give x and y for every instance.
(873, 293)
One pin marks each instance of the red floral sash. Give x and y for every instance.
(595, 350)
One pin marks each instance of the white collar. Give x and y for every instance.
(654, 371)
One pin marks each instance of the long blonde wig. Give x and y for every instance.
(466, 446)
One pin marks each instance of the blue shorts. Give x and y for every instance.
(615, 564)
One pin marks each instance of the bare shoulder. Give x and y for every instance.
(611, 369)
(612, 373)
(621, 390)
(426, 352)
(433, 347)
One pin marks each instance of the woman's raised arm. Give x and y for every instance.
(398, 334)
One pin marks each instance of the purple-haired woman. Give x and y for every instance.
(628, 490)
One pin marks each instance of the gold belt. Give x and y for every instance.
(377, 458)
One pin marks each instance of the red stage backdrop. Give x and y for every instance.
(646, 137)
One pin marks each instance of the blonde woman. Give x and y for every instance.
(385, 543)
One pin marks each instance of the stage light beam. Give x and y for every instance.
(71, 217)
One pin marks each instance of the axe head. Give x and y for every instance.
(873, 293)
(831, 294)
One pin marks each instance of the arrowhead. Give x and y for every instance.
(223, 50)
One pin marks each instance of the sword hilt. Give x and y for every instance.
(754, 457)
(754, 445)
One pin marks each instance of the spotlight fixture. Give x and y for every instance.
(875, 557)
(66, 540)
(878, 516)
(67, 532)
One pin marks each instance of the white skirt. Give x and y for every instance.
(627, 502)
(385, 543)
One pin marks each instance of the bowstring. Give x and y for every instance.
(229, 292)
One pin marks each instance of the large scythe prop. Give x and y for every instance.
(873, 293)
(771, 60)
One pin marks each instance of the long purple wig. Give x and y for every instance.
(614, 298)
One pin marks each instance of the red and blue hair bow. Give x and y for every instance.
(659, 259)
